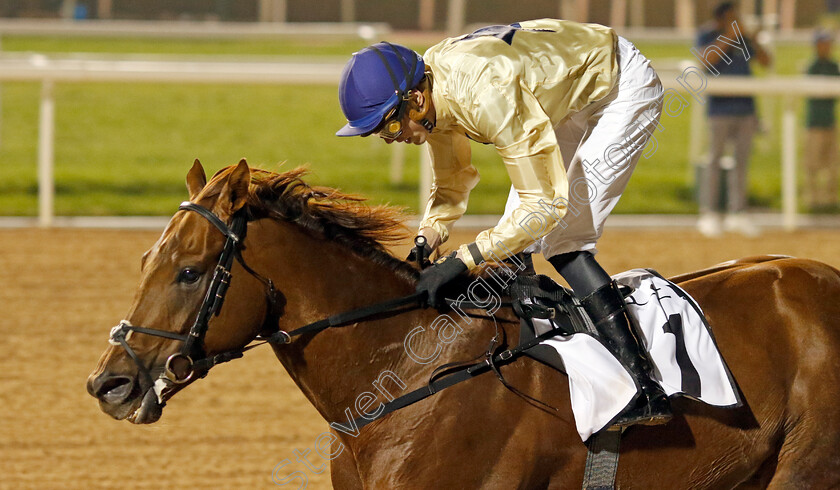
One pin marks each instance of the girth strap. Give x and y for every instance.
(602, 460)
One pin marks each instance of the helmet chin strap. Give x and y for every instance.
(427, 124)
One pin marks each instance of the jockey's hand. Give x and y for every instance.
(442, 272)
(421, 253)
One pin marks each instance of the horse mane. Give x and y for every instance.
(330, 214)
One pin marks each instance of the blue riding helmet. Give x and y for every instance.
(374, 81)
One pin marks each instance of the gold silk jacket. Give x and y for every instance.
(510, 86)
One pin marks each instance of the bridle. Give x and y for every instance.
(183, 366)
(192, 361)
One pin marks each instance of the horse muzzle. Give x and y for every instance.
(124, 397)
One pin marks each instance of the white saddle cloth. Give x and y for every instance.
(678, 339)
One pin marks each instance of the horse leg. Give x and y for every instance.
(809, 456)
(344, 473)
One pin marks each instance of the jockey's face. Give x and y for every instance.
(412, 131)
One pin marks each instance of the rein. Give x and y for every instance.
(341, 319)
(457, 372)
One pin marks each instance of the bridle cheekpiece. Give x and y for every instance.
(183, 366)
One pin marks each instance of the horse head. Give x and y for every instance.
(176, 274)
(323, 249)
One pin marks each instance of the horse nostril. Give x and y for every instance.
(114, 390)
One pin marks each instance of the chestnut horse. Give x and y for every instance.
(775, 320)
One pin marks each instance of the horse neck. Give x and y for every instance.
(320, 278)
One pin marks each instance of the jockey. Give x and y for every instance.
(569, 108)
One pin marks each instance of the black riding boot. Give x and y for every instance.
(608, 311)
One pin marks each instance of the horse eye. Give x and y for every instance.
(189, 275)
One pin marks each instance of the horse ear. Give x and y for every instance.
(235, 192)
(196, 179)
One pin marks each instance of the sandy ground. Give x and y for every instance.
(63, 290)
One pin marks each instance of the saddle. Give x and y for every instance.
(538, 296)
(556, 331)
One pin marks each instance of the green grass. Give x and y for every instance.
(307, 47)
(124, 149)
(303, 47)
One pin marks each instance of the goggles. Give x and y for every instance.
(392, 126)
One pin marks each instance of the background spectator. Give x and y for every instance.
(821, 156)
(731, 119)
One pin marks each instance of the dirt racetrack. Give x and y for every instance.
(63, 289)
